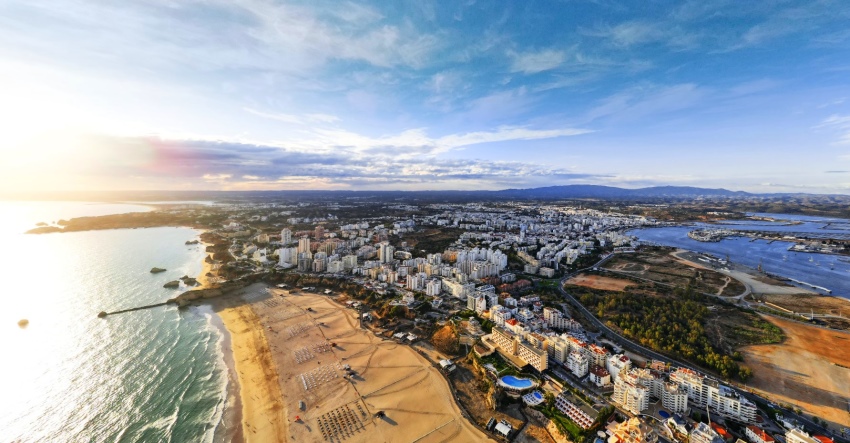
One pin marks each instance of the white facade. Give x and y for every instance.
(617, 363)
(578, 364)
(674, 397)
(632, 397)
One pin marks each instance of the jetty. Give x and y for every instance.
(828, 291)
(103, 314)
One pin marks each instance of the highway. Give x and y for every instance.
(639, 349)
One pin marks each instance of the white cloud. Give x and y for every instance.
(840, 123)
(294, 119)
(534, 62)
(642, 101)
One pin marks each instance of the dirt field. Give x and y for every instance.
(811, 369)
(600, 282)
(663, 266)
(302, 331)
(821, 304)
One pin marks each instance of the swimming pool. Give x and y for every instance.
(511, 382)
(533, 398)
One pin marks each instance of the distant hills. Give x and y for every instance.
(611, 192)
(544, 193)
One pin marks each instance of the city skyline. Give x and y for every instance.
(424, 96)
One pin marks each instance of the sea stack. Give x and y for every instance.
(156, 270)
(172, 284)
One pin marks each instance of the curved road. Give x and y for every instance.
(639, 349)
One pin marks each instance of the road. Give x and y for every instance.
(638, 349)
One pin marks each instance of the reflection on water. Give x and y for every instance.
(829, 271)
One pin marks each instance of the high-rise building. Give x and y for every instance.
(578, 364)
(633, 397)
(304, 245)
(385, 252)
(286, 236)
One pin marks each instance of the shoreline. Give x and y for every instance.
(250, 400)
(261, 414)
(229, 428)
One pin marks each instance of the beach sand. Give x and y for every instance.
(262, 408)
(282, 342)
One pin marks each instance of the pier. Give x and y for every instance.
(103, 314)
(828, 291)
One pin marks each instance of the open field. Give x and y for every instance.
(660, 265)
(811, 369)
(311, 339)
(600, 282)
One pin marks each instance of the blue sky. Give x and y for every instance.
(255, 94)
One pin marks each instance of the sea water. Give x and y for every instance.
(828, 271)
(151, 375)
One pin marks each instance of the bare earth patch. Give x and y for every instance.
(600, 282)
(811, 369)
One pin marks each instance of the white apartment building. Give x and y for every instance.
(335, 267)
(286, 236)
(559, 349)
(458, 289)
(504, 340)
(432, 288)
(600, 376)
(578, 364)
(304, 246)
(349, 262)
(757, 435)
(797, 435)
(630, 396)
(499, 315)
(287, 257)
(534, 356)
(675, 397)
(704, 392)
(702, 433)
(598, 355)
(385, 252)
(512, 344)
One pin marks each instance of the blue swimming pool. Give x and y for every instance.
(537, 395)
(509, 381)
(664, 414)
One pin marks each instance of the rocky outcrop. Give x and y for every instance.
(174, 284)
(188, 281)
(156, 270)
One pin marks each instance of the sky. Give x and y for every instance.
(416, 95)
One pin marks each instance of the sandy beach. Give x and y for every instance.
(301, 345)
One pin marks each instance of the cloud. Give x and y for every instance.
(639, 102)
(629, 33)
(840, 124)
(416, 142)
(539, 61)
(295, 119)
(233, 165)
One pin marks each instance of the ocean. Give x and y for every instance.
(152, 375)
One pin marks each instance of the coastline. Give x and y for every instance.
(262, 417)
(253, 400)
